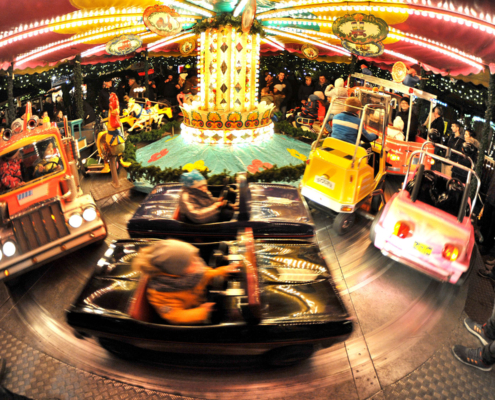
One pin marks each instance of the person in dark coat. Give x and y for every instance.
(284, 92)
(403, 113)
(89, 113)
(151, 94)
(169, 90)
(48, 107)
(104, 97)
(322, 84)
(305, 91)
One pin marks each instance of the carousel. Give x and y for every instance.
(330, 296)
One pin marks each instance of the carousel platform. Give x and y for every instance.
(176, 152)
(405, 326)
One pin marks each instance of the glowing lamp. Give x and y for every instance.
(450, 252)
(401, 229)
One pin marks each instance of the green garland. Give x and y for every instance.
(225, 19)
(288, 129)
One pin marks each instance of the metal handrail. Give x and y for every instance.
(449, 151)
(471, 173)
(314, 145)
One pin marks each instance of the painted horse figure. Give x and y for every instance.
(147, 115)
(111, 143)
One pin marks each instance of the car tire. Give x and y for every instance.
(373, 225)
(122, 350)
(289, 355)
(343, 222)
(376, 202)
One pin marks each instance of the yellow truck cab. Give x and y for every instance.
(43, 212)
(341, 176)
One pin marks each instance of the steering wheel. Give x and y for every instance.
(430, 179)
(454, 184)
(223, 195)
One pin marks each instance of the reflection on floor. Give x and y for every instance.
(405, 324)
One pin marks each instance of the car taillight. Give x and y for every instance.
(401, 229)
(307, 161)
(450, 252)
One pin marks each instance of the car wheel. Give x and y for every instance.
(374, 224)
(290, 355)
(343, 222)
(376, 201)
(122, 350)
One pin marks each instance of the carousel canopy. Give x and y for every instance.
(453, 37)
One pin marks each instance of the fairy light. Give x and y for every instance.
(173, 39)
(240, 7)
(274, 43)
(302, 37)
(194, 9)
(37, 53)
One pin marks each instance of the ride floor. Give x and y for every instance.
(405, 325)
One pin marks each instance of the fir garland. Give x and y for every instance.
(78, 88)
(288, 129)
(156, 175)
(225, 19)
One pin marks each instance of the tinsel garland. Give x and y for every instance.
(225, 19)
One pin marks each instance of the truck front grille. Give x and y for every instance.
(39, 227)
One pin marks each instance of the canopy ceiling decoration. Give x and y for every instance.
(453, 37)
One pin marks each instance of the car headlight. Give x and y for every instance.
(75, 220)
(9, 248)
(89, 214)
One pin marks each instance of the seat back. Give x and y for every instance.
(139, 308)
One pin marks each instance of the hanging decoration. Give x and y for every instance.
(123, 45)
(364, 50)
(248, 16)
(187, 47)
(399, 72)
(309, 51)
(360, 28)
(162, 20)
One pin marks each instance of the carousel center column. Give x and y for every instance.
(226, 110)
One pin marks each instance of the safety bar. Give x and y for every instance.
(420, 171)
(361, 125)
(449, 150)
(314, 145)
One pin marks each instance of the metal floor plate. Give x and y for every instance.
(405, 325)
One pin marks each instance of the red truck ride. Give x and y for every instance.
(43, 211)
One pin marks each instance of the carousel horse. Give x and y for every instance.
(145, 116)
(111, 143)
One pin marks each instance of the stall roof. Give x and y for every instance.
(453, 37)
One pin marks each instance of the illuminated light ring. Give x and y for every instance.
(28, 57)
(241, 136)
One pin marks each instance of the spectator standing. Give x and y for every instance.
(470, 137)
(151, 94)
(284, 92)
(305, 91)
(482, 357)
(403, 113)
(339, 91)
(132, 88)
(59, 105)
(412, 78)
(122, 93)
(48, 106)
(170, 90)
(269, 82)
(365, 70)
(104, 97)
(322, 84)
(89, 113)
